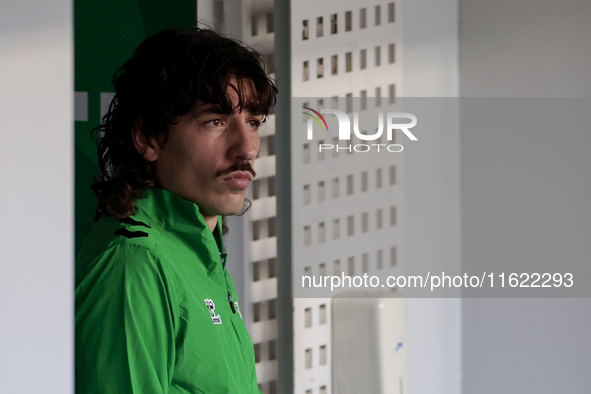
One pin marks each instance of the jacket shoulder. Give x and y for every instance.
(109, 233)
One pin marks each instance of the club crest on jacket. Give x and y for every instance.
(211, 306)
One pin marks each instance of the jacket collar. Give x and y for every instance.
(182, 219)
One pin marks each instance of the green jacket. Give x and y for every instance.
(156, 309)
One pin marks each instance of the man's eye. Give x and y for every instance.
(214, 122)
(256, 123)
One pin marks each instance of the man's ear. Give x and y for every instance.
(147, 147)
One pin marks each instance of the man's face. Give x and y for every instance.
(209, 155)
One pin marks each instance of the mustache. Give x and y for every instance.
(239, 166)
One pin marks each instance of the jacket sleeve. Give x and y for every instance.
(125, 324)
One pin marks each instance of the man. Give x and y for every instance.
(156, 310)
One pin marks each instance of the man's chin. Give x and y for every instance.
(241, 211)
(236, 207)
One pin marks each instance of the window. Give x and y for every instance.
(392, 175)
(321, 233)
(256, 312)
(334, 63)
(271, 267)
(392, 93)
(257, 353)
(393, 256)
(307, 194)
(350, 226)
(272, 350)
(349, 184)
(271, 186)
(271, 227)
(304, 117)
(365, 262)
(307, 236)
(348, 62)
(348, 21)
(308, 317)
(391, 53)
(256, 230)
(391, 13)
(322, 314)
(378, 15)
(378, 56)
(321, 191)
(364, 181)
(256, 276)
(351, 266)
(306, 74)
(378, 96)
(336, 229)
(335, 188)
(364, 99)
(379, 178)
(256, 189)
(320, 68)
(323, 355)
(306, 153)
(333, 24)
(392, 216)
(322, 269)
(363, 59)
(305, 29)
(308, 358)
(363, 18)
(380, 259)
(379, 219)
(336, 267)
(364, 222)
(319, 27)
(272, 309)
(254, 25)
(270, 25)
(349, 102)
(384, 138)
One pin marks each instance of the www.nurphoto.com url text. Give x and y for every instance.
(433, 282)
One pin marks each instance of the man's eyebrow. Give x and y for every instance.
(209, 110)
(254, 109)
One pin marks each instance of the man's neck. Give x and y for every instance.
(211, 221)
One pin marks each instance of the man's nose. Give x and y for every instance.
(245, 141)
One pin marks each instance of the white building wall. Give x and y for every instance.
(260, 280)
(430, 35)
(425, 37)
(524, 48)
(36, 197)
(312, 333)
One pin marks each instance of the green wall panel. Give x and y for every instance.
(105, 35)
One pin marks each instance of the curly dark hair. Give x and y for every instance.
(167, 74)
